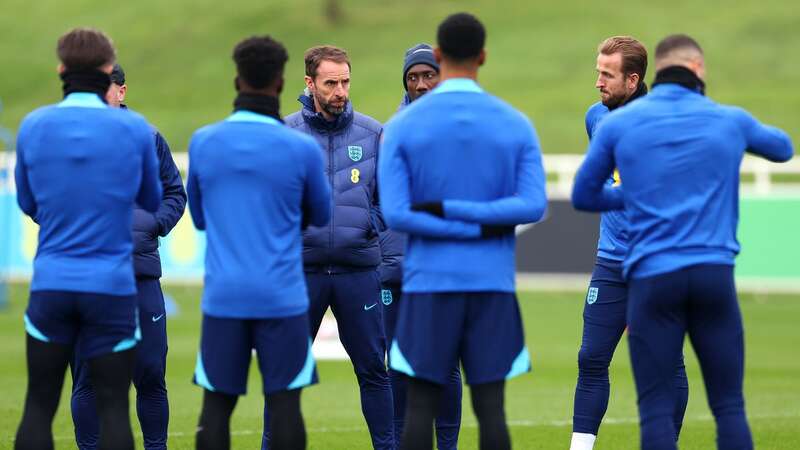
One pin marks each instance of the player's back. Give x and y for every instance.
(679, 154)
(461, 143)
(252, 176)
(83, 164)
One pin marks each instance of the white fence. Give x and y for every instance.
(758, 175)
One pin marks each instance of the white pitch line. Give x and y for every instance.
(472, 424)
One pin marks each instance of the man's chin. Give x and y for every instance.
(610, 102)
(334, 111)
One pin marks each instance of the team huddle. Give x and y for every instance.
(404, 230)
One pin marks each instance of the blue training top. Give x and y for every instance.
(481, 158)
(613, 240)
(81, 165)
(251, 180)
(678, 154)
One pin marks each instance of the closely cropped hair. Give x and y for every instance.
(315, 55)
(85, 48)
(634, 55)
(676, 42)
(259, 60)
(461, 36)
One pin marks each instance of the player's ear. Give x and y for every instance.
(61, 68)
(633, 80)
(482, 57)
(437, 55)
(236, 84)
(309, 82)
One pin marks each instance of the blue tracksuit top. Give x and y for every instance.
(481, 158)
(251, 180)
(678, 154)
(81, 165)
(613, 240)
(349, 147)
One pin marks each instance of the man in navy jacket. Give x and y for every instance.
(678, 154)
(152, 405)
(340, 259)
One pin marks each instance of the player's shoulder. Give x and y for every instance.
(595, 112)
(36, 116)
(367, 123)
(133, 118)
(202, 134)
(734, 113)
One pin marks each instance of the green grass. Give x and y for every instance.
(541, 54)
(539, 405)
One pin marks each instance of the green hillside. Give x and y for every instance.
(541, 54)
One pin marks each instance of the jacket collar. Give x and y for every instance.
(317, 120)
(457, 85)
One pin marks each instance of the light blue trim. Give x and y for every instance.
(306, 374)
(200, 376)
(249, 116)
(82, 100)
(125, 344)
(398, 361)
(33, 331)
(138, 333)
(458, 85)
(521, 364)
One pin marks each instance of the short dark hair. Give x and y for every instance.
(259, 60)
(315, 55)
(675, 42)
(634, 55)
(84, 49)
(461, 36)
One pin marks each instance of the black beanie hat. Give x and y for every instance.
(418, 54)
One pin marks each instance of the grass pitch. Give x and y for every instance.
(539, 405)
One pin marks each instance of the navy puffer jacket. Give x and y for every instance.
(350, 150)
(147, 227)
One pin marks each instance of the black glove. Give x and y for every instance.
(495, 231)
(432, 208)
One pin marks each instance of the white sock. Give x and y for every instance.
(582, 441)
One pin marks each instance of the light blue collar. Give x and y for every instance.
(82, 100)
(458, 85)
(249, 116)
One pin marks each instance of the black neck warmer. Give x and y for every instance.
(258, 103)
(86, 80)
(682, 76)
(641, 91)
